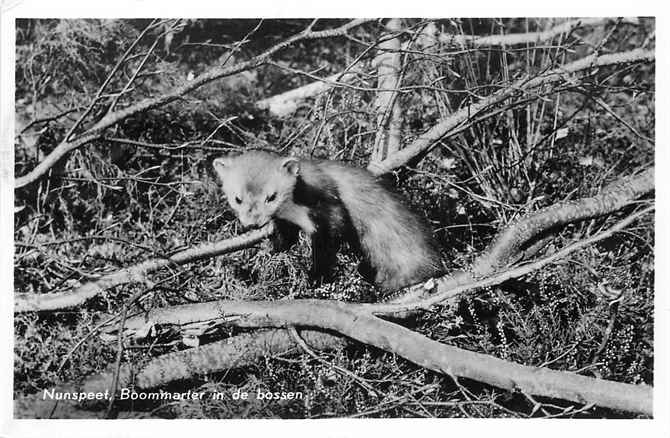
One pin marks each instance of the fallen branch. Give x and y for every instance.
(239, 351)
(115, 117)
(286, 103)
(357, 321)
(516, 235)
(354, 322)
(448, 288)
(27, 302)
(425, 141)
(445, 290)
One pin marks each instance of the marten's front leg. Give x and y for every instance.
(326, 241)
(324, 256)
(285, 235)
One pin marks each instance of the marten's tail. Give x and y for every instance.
(397, 243)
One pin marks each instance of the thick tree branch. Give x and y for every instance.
(357, 321)
(505, 246)
(238, 351)
(286, 103)
(449, 287)
(425, 141)
(353, 321)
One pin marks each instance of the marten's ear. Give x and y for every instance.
(222, 165)
(292, 165)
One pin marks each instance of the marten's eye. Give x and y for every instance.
(238, 200)
(271, 197)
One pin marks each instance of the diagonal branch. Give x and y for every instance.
(27, 302)
(448, 288)
(447, 125)
(216, 73)
(357, 322)
(287, 102)
(120, 62)
(508, 242)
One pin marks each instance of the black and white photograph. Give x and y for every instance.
(332, 218)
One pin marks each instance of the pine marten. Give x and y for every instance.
(332, 203)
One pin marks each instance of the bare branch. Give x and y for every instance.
(525, 38)
(50, 118)
(286, 103)
(425, 141)
(503, 248)
(26, 302)
(283, 104)
(111, 74)
(449, 287)
(522, 231)
(357, 322)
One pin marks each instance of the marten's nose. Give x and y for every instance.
(252, 221)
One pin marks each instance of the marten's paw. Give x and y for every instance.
(317, 278)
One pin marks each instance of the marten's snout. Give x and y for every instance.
(253, 221)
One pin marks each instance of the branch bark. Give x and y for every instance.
(357, 322)
(612, 198)
(451, 123)
(507, 243)
(389, 118)
(499, 253)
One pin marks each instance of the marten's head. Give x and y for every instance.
(257, 184)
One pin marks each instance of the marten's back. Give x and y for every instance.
(398, 244)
